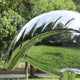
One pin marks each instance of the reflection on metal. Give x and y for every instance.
(47, 24)
(69, 21)
(76, 71)
(68, 74)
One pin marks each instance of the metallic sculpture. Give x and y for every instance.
(47, 24)
(70, 73)
(76, 71)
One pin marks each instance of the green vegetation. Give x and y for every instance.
(67, 75)
(50, 59)
(15, 13)
(45, 79)
(41, 79)
(77, 3)
(77, 78)
(36, 79)
(50, 79)
(1, 62)
(10, 24)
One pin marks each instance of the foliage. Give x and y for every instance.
(8, 4)
(1, 62)
(31, 8)
(41, 6)
(14, 9)
(77, 39)
(77, 3)
(10, 23)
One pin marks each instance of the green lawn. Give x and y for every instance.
(50, 79)
(50, 59)
(40, 79)
(45, 79)
(77, 78)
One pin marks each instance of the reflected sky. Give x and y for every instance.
(76, 71)
(52, 17)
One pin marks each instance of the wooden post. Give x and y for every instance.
(26, 68)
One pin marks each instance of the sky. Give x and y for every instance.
(52, 17)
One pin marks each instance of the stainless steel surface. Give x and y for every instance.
(51, 23)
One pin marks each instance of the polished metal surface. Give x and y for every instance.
(57, 23)
(76, 71)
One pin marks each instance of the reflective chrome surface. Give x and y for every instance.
(61, 23)
(76, 71)
(69, 19)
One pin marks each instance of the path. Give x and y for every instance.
(8, 76)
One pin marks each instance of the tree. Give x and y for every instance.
(33, 8)
(77, 3)
(76, 39)
(12, 13)
(42, 6)
(11, 22)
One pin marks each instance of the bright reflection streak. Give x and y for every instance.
(52, 16)
(69, 23)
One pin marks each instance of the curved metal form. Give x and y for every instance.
(52, 23)
(76, 71)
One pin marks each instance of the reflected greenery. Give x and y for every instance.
(62, 31)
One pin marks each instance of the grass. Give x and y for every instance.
(77, 78)
(36, 79)
(50, 59)
(40, 79)
(50, 79)
(45, 79)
